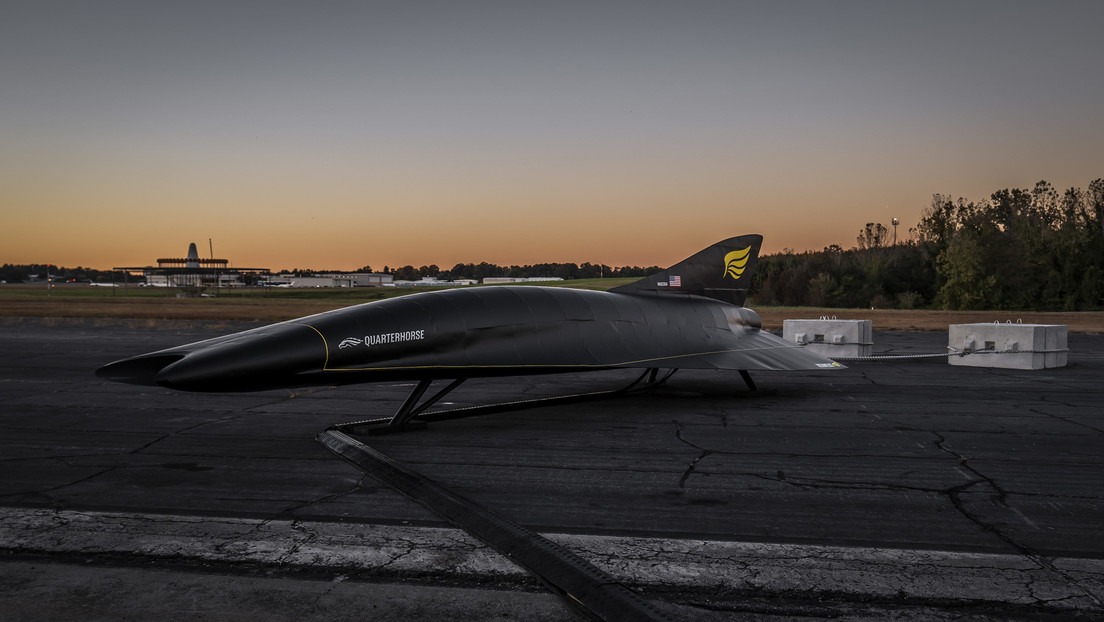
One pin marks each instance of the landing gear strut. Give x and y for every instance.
(412, 415)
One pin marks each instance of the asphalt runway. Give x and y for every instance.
(914, 458)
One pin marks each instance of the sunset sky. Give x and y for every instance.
(338, 134)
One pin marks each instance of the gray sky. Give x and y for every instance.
(636, 132)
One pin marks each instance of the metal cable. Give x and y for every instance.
(953, 352)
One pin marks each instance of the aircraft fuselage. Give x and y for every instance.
(485, 331)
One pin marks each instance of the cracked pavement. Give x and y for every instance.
(893, 483)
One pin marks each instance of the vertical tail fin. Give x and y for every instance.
(722, 272)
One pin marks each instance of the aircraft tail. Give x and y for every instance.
(722, 272)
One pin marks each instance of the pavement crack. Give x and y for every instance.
(693, 463)
(338, 580)
(295, 524)
(1001, 498)
(410, 547)
(814, 483)
(1063, 419)
(45, 492)
(184, 430)
(291, 511)
(309, 535)
(690, 468)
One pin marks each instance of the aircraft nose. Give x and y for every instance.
(256, 360)
(139, 369)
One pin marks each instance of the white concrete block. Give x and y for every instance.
(1009, 346)
(830, 337)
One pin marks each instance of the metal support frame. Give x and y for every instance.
(403, 419)
(413, 416)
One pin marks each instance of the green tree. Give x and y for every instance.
(966, 282)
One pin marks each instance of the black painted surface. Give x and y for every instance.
(900, 454)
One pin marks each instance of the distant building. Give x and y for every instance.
(430, 281)
(354, 279)
(193, 273)
(364, 279)
(493, 280)
(314, 281)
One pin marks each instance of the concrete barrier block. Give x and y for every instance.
(1009, 346)
(830, 337)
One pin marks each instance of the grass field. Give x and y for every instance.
(273, 305)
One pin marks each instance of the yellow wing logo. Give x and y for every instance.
(736, 261)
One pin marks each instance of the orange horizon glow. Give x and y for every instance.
(327, 240)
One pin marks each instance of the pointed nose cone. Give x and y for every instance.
(265, 358)
(139, 369)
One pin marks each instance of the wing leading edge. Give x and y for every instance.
(754, 351)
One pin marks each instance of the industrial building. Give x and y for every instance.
(194, 274)
(498, 280)
(354, 279)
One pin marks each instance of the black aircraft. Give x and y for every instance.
(689, 316)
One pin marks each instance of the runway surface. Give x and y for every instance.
(888, 465)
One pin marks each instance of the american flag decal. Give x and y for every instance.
(675, 281)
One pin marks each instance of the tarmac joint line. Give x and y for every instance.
(743, 570)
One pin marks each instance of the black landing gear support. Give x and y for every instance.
(412, 415)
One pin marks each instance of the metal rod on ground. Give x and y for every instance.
(582, 585)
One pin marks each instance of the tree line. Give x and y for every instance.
(1020, 249)
(479, 271)
(22, 273)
